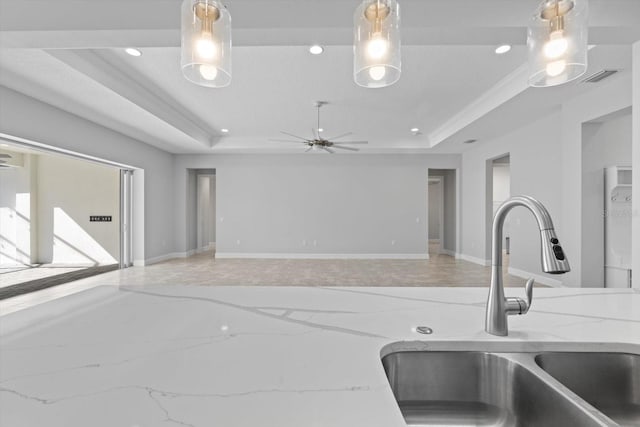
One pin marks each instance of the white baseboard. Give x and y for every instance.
(537, 277)
(232, 255)
(161, 258)
(479, 261)
(450, 253)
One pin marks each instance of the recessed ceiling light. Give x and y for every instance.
(316, 49)
(503, 49)
(133, 51)
(415, 130)
(224, 130)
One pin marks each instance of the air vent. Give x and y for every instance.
(599, 76)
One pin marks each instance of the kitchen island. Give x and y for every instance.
(252, 356)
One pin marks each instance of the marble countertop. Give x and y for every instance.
(245, 356)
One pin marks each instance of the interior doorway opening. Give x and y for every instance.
(443, 215)
(201, 222)
(500, 191)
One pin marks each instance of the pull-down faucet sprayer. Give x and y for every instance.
(553, 259)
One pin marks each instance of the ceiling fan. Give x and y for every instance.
(320, 143)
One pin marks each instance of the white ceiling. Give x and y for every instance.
(453, 84)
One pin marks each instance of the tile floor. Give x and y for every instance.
(203, 270)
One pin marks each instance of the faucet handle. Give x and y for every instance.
(518, 305)
(528, 289)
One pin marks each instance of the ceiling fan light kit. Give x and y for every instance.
(377, 58)
(206, 43)
(557, 42)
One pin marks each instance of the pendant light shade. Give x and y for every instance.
(206, 43)
(377, 59)
(557, 42)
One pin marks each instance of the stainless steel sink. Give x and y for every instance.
(608, 381)
(435, 388)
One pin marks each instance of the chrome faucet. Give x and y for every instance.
(554, 261)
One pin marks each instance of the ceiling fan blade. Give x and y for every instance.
(287, 140)
(350, 142)
(340, 136)
(295, 136)
(328, 149)
(345, 148)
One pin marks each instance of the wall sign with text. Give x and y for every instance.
(100, 218)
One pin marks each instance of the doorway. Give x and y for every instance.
(62, 218)
(500, 190)
(442, 212)
(206, 212)
(436, 214)
(201, 211)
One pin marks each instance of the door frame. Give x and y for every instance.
(126, 218)
(439, 181)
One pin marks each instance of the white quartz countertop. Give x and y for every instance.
(248, 356)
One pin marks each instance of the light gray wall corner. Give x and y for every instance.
(608, 97)
(636, 165)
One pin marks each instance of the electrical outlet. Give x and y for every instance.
(417, 220)
(393, 243)
(315, 243)
(238, 242)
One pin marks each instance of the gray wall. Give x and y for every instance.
(533, 172)
(635, 224)
(546, 163)
(318, 204)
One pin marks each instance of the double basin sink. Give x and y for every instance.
(500, 388)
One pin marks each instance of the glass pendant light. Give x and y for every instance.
(377, 60)
(206, 43)
(557, 42)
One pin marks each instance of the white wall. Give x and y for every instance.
(606, 98)
(28, 118)
(533, 172)
(546, 163)
(69, 192)
(349, 205)
(635, 250)
(605, 143)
